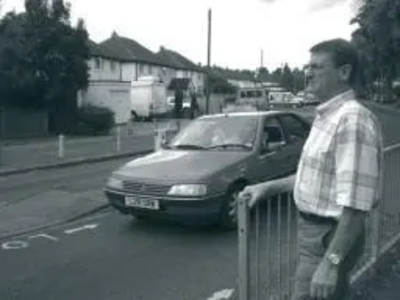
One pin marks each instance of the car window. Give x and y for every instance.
(211, 132)
(250, 94)
(273, 131)
(258, 94)
(294, 127)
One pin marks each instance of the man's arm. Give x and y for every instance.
(350, 226)
(358, 166)
(358, 169)
(326, 276)
(273, 187)
(284, 185)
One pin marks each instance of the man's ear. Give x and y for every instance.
(345, 72)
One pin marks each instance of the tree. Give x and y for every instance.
(43, 59)
(378, 38)
(276, 75)
(263, 74)
(287, 79)
(298, 80)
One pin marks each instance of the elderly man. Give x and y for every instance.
(338, 178)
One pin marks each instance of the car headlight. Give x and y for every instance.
(188, 190)
(115, 183)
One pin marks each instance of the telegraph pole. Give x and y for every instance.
(262, 58)
(208, 62)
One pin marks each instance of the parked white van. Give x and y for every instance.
(255, 96)
(148, 98)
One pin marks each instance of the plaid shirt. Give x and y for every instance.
(341, 163)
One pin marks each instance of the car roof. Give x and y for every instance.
(249, 114)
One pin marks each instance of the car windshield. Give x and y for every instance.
(219, 133)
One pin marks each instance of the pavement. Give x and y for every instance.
(28, 155)
(55, 206)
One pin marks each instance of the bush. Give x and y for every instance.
(94, 120)
(396, 90)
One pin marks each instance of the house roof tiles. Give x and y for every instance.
(177, 60)
(128, 50)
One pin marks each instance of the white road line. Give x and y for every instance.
(222, 295)
(43, 235)
(85, 227)
(12, 245)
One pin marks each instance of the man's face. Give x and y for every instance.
(323, 77)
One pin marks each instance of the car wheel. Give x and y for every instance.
(229, 215)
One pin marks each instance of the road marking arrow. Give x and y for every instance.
(85, 227)
(222, 295)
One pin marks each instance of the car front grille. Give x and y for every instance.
(145, 188)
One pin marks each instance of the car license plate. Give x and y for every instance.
(142, 203)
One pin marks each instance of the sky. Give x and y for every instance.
(284, 30)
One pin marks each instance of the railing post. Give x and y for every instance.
(159, 139)
(61, 146)
(118, 132)
(244, 246)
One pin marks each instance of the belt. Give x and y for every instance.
(317, 219)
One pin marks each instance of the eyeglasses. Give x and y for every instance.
(313, 67)
(317, 67)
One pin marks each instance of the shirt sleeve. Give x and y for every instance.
(358, 161)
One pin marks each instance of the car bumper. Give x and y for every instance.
(204, 210)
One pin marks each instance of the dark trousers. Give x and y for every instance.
(313, 240)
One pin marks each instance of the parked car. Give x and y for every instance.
(310, 99)
(199, 173)
(297, 101)
(186, 106)
(255, 96)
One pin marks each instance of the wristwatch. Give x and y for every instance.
(334, 259)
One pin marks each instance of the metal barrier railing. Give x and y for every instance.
(268, 237)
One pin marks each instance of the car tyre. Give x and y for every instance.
(229, 216)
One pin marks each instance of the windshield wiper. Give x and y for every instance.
(188, 147)
(227, 145)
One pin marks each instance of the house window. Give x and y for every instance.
(97, 63)
(141, 69)
(150, 70)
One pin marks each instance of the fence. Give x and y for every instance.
(267, 237)
(17, 123)
(127, 139)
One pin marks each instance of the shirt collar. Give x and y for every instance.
(334, 103)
